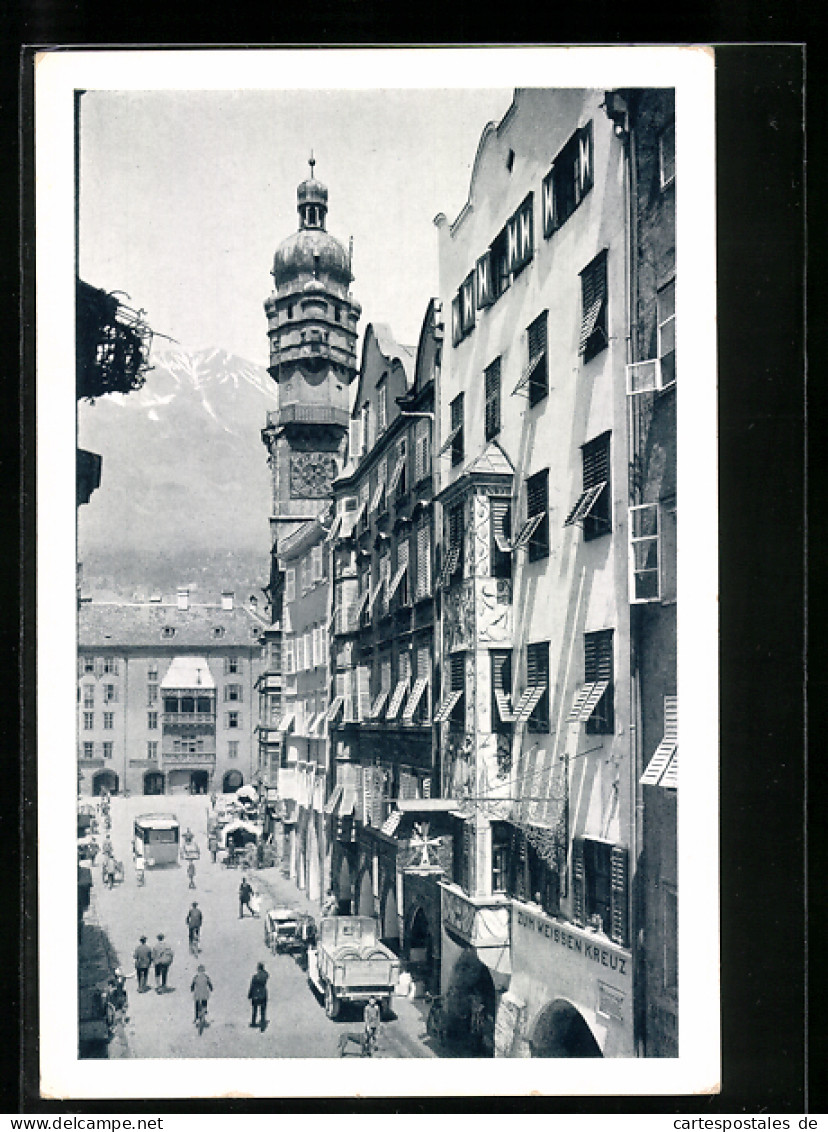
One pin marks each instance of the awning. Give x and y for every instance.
(584, 504)
(395, 475)
(449, 440)
(590, 321)
(500, 516)
(527, 530)
(447, 706)
(312, 722)
(450, 564)
(662, 769)
(504, 709)
(248, 792)
(359, 513)
(414, 698)
(285, 724)
(398, 577)
(335, 525)
(586, 701)
(397, 699)
(528, 370)
(240, 827)
(377, 496)
(375, 592)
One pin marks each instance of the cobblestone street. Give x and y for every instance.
(161, 1025)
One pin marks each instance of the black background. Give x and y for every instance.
(761, 108)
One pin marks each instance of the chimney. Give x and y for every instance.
(183, 598)
(227, 599)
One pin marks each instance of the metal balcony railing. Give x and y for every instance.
(169, 718)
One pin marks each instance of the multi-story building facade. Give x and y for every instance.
(645, 120)
(537, 732)
(312, 326)
(166, 695)
(303, 770)
(383, 672)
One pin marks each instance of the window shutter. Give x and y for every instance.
(423, 561)
(492, 416)
(584, 160)
(578, 881)
(619, 904)
(290, 584)
(363, 691)
(536, 335)
(596, 462)
(99, 667)
(501, 518)
(537, 494)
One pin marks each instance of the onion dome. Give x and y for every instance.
(311, 252)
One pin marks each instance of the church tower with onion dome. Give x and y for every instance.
(312, 326)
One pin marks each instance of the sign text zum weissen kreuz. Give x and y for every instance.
(589, 949)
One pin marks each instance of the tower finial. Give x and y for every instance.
(311, 162)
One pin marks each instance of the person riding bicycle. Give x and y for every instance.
(201, 986)
(194, 921)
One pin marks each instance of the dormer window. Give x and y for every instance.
(168, 631)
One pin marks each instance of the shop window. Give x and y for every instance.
(598, 670)
(492, 412)
(594, 332)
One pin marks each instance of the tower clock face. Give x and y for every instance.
(311, 474)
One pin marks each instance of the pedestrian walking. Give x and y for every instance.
(162, 957)
(201, 988)
(371, 1021)
(256, 904)
(212, 845)
(331, 904)
(143, 961)
(213, 800)
(194, 921)
(191, 873)
(140, 876)
(245, 892)
(257, 994)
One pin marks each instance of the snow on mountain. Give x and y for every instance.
(185, 481)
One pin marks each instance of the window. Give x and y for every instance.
(288, 658)
(233, 749)
(290, 584)
(492, 413)
(537, 678)
(501, 668)
(667, 155)
(594, 334)
(168, 631)
(422, 453)
(110, 694)
(89, 750)
(399, 583)
(317, 564)
(232, 719)
(399, 476)
(598, 668)
(537, 511)
(500, 264)
(456, 434)
(645, 573)
(423, 560)
(535, 375)
(231, 665)
(110, 666)
(501, 856)
(453, 560)
(382, 407)
(367, 428)
(597, 483)
(89, 695)
(599, 881)
(666, 334)
(152, 720)
(152, 673)
(520, 241)
(108, 749)
(457, 672)
(88, 664)
(305, 574)
(152, 694)
(500, 551)
(233, 693)
(568, 181)
(152, 749)
(89, 721)
(462, 310)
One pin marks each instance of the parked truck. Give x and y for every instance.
(350, 964)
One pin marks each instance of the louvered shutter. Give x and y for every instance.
(492, 417)
(596, 461)
(584, 160)
(619, 900)
(578, 881)
(423, 561)
(501, 519)
(363, 691)
(594, 302)
(355, 438)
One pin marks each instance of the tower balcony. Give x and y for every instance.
(290, 353)
(308, 414)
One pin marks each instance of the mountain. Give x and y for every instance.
(185, 487)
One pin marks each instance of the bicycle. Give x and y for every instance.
(195, 941)
(201, 1016)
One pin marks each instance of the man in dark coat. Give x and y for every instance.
(258, 996)
(194, 921)
(245, 892)
(162, 957)
(143, 962)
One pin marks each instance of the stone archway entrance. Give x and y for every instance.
(153, 782)
(470, 1006)
(105, 780)
(561, 1031)
(421, 949)
(366, 895)
(199, 781)
(231, 782)
(343, 886)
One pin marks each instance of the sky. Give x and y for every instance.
(185, 196)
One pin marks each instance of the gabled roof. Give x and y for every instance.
(120, 625)
(491, 461)
(380, 336)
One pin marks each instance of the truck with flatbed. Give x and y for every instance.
(351, 964)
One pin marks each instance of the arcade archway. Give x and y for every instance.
(390, 933)
(105, 780)
(344, 886)
(421, 950)
(231, 782)
(366, 896)
(470, 1005)
(153, 782)
(561, 1031)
